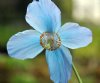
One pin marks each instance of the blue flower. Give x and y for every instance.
(45, 17)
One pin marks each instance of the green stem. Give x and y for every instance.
(76, 73)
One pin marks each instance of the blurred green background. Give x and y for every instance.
(87, 59)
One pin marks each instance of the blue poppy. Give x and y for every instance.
(45, 17)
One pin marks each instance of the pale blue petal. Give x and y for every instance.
(60, 64)
(44, 16)
(24, 45)
(74, 36)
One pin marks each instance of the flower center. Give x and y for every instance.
(50, 41)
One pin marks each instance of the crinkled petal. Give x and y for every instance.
(44, 16)
(74, 36)
(24, 45)
(60, 64)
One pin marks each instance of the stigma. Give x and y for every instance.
(50, 41)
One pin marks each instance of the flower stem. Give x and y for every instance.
(76, 73)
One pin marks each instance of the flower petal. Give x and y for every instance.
(60, 64)
(44, 16)
(24, 44)
(74, 36)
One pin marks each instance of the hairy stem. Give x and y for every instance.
(76, 73)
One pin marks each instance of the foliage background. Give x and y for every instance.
(12, 20)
